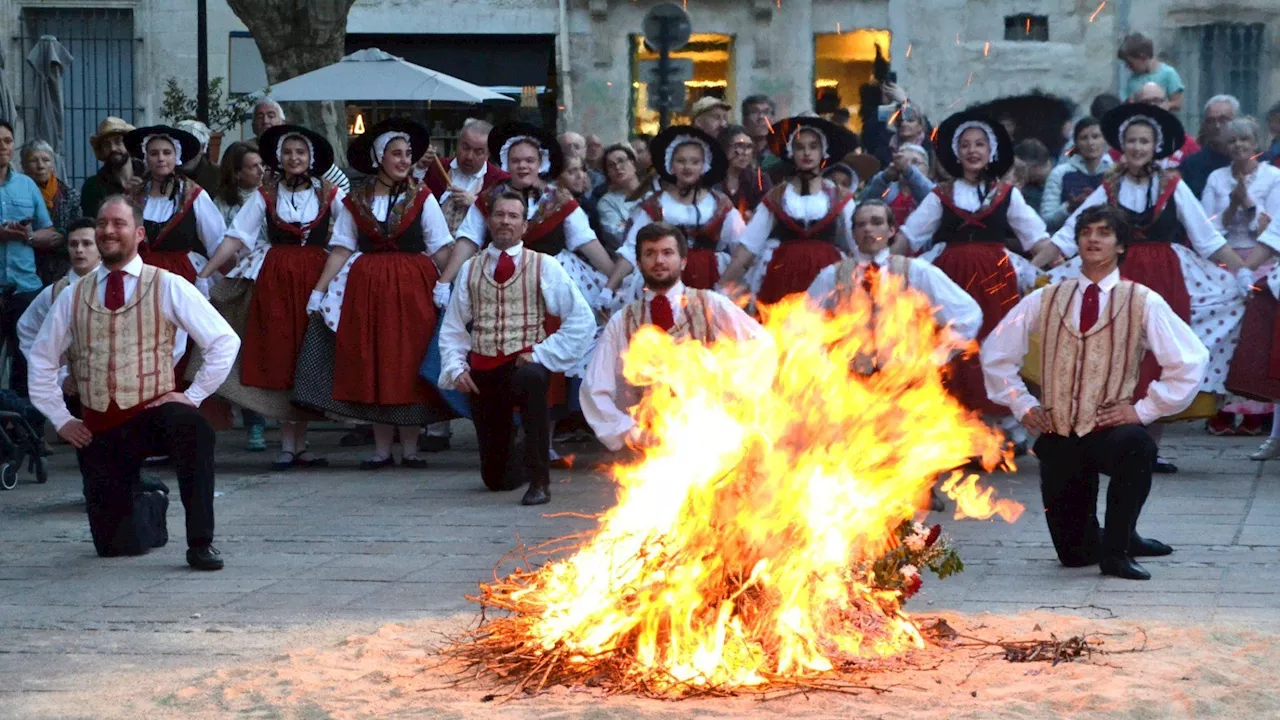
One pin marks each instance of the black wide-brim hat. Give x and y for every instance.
(946, 132)
(503, 137)
(321, 150)
(1171, 135)
(682, 134)
(360, 151)
(840, 141)
(188, 146)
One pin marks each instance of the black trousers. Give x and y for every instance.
(18, 304)
(1069, 468)
(111, 467)
(503, 391)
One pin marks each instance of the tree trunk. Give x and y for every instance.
(295, 37)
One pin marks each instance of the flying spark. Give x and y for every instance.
(1028, 26)
(969, 82)
(1097, 10)
(908, 50)
(986, 49)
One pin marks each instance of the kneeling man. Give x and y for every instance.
(1095, 330)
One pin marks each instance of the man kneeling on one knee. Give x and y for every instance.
(1096, 331)
(117, 327)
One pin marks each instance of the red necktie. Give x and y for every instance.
(115, 290)
(506, 268)
(660, 312)
(1089, 308)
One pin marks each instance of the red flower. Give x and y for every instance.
(934, 533)
(911, 587)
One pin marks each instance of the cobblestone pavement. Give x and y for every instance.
(341, 548)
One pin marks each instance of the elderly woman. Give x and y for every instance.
(1162, 209)
(360, 358)
(1241, 200)
(613, 211)
(745, 183)
(62, 202)
(183, 226)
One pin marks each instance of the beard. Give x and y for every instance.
(655, 283)
(116, 160)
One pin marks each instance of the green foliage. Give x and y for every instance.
(225, 112)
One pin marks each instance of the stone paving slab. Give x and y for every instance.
(308, 550)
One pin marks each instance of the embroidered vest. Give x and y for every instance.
(508, 318)
(701, 237)
(123, 356)
(400, 232)
(825, 229)
(988, 224)
(1159, 221)
(311, 234)
(179, 233)
(62, 284)
(695, 317)
(1079, 373)
(849, 278)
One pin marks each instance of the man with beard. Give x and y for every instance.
(118, 326)
(268, 114)
(1214, 153)
(527, 320)
(119, 173)
(682, 312)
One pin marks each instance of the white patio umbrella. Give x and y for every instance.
(376, 75)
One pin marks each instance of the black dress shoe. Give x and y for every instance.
(538, 494)
(414, 462)
(1123, 566)
(374, 464)
(1164, 467)
(204, 558)
(433, 444)
(1146, 547)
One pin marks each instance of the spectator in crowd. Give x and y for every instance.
(876, 135)
(745, 183)
(1273, 127)
(613, 211)
(240, 175)
(910, 166)
(24, 226)
(1032, 165)
(267, 114)
(711, 115)
(1139, 54)
(1153, 93)
(1076, 177)
(1214, 151)
(1103, 104)
(910, 127)
(62, 202)
(842, 175)
(574, 179)
(758, 113)
(640, 146)
(120, 174)
(200, 168)
(595, 153)
(575, 145)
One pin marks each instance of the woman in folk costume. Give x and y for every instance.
(689, 162)
(803, 224)
(557, 225)
(265, 297)
(184, 227)
(360, 359)
(968, 221)
(1162, 209)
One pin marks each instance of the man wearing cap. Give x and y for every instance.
(711, 115)
(205, 173)
(119, 174)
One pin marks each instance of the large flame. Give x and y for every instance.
(742, 544)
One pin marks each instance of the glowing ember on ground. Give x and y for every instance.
(766, 537)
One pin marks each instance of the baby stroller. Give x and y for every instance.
(21, 425)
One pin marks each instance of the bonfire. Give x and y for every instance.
(768, 535)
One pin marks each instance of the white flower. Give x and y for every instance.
(915, 543)
(909, 571)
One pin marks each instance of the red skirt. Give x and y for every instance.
(1156, 265)
(278, 315)
(701, 269)
(388, 318)
(1255, 368)
(794, 266)
(984, 271)
(175, 262)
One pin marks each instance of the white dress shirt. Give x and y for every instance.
(600, 387)
(1135, 196)
(471, 182)
(180, 303)
(301, 207)
(675, 212)
(925, 219)
(435, 230)
(805, 209)
(1183, 358)
(577, 226)
(952, 305)
(559, 352)
(1264, 191)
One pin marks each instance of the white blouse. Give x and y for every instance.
(923, 222)
(210, 226)
(293, 207)
(1135, 196)
(804, 208)
(675, 212)
(435, 230)
(1264, 191)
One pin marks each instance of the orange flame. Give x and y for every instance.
(742, 544)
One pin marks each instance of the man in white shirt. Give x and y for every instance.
(1096, 329)
(702, 315)
(118, 326)
(527, 320)
(82, 248)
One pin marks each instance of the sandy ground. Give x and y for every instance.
(1184, 671)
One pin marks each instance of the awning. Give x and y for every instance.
(485, 60)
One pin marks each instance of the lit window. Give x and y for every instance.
(712, 56)
(1025, 27)
(842, 63)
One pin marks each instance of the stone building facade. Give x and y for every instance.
(946, 53)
